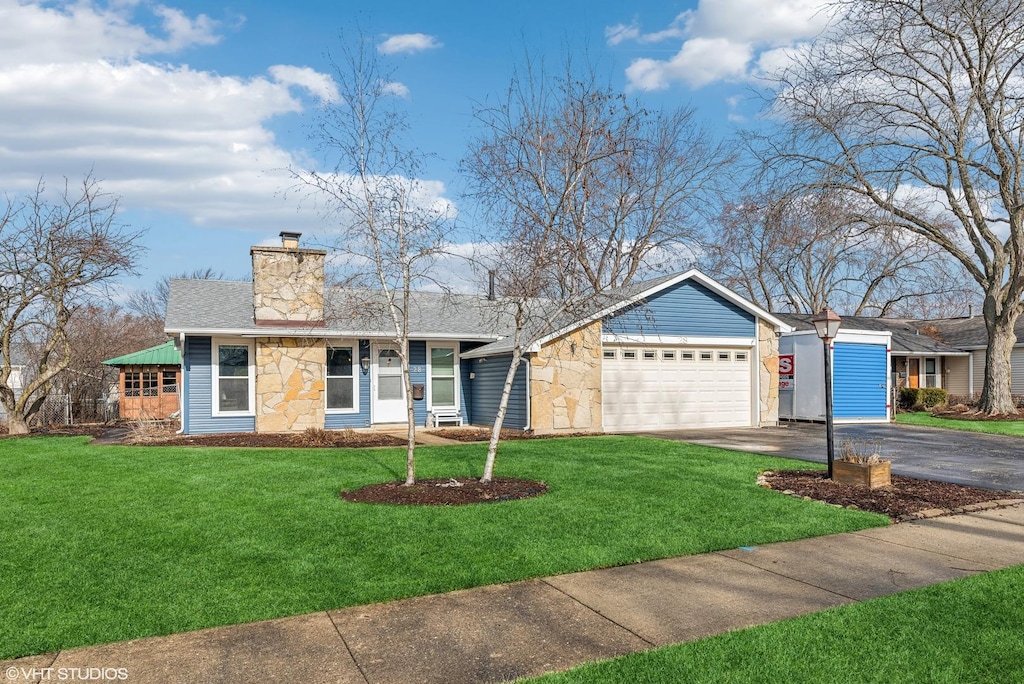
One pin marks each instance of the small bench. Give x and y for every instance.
(442, 417)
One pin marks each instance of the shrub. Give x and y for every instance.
(909, 398)
(932, 396)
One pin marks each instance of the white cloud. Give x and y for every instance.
(34, 33)
(395, 88)
(76, 94)
(722, 40)
(701, 61)
(319, 85)
(409, 42)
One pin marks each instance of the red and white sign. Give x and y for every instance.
(786, 371)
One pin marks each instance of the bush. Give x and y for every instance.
(921, 398)
(932, 396)
(909, 398)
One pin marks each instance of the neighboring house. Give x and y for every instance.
(966, 375)
(148, 382)
(17, 379)
(283, 354)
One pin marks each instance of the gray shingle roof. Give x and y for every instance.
(970, 333)
(213, 306)
(908, 336)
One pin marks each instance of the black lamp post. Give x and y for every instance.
(826, 324)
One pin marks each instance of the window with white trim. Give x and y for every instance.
(233, 378)
(650, 355)
(741, 356)
(341, 378)
(444, 367)
(668, 355)
(706, 356)
(609, 353)
(629, 354)
(724, 356)
(686, 355)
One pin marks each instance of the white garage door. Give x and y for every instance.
(657, 388)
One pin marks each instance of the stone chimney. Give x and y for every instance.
(288, 283)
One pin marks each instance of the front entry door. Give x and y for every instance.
(388, 386)
(913, 372)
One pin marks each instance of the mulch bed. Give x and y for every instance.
(963, 412)
(447, 492)
(906, 497)
(475, 434)
(324, 439)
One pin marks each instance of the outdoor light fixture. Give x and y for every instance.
(364, 363)
(826, 324)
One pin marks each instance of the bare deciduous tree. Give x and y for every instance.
(799, 252)
(583, 191)
(388, 228)
(915, 107)
(618, 187)
(58, 255)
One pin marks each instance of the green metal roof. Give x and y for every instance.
(161, 355)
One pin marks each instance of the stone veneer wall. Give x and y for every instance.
(565, 383)
(768, 370)
(288, 284)
(290, 383)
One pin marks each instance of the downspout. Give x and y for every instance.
(184, 384)
(529, 394)
(756, 363)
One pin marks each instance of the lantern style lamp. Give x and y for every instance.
(826, 324)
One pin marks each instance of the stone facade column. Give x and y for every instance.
(565, 383)
(290, 383)
(768, 373)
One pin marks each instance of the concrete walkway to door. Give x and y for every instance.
(981, 460)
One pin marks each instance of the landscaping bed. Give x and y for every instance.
(905, 499)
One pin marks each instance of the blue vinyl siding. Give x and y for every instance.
(418, 375)
(859, 380)
(486, 392)
(198, 369)
(688, 309)
(337, 421)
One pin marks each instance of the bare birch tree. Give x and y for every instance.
(915, 107)
(583, 190)
(389, 230)
(58, 255)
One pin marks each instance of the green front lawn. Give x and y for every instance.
(104, 543)
(994, 427)
(968, 630)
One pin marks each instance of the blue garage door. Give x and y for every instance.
(859, 377)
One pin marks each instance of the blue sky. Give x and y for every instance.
(191, 111)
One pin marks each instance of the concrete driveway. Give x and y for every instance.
(992, 461)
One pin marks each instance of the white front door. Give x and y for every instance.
(388, 386)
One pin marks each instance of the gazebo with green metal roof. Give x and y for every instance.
(149, 382)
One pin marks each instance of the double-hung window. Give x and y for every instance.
(443, 368)
(233, 376)
(341, 378)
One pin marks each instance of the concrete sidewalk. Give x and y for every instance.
(526, 628)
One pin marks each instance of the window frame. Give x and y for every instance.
(456, 375)
(356, 370)
(215, 346)
(173, 374)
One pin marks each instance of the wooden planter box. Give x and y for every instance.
(870, 475)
